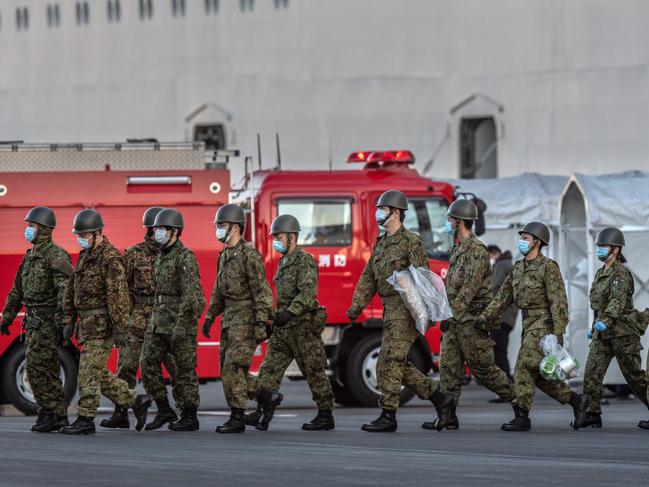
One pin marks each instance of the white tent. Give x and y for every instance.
(512, 202)
(587, 205)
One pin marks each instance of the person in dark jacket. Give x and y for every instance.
(501, 265)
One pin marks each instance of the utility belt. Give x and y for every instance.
(477, 308)
(35, 309)
(393, 299)
(238, 302)
(166, 299)
(141, 299)
(535, 312)
(85, 313)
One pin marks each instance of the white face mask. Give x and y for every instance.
(84, 243)
(222, 234)
(161, 236)
(492, 261)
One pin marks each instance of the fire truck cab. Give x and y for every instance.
(336, 213)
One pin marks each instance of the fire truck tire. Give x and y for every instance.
(360, 371)
(14, 384)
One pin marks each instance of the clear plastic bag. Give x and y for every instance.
(424, 294)
(557, 365)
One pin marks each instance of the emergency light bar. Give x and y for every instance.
(392, 156)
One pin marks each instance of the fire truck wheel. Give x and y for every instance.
(15, 386)
(360, 371)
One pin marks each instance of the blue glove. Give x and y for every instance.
(600, 326)
(590, 334)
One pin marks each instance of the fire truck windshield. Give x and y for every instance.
(427, 217)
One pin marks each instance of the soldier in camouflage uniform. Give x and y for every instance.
(178, 304)
(468, 286)
(98, 295)
(242, 294)
(40, 285)
(297, 328)
(395, 251)
(139, 261)
(615, 333)
(535, 285)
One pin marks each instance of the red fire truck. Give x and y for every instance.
(335, 209)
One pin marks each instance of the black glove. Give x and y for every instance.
(4, 328)
(352, 317)
(445, 325)
(207, 326)
(68, 331)
(283, 318)
(119, 339)
(269, 331)
(560, 340)
(480, 324)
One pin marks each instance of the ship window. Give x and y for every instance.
(212, 134)
(146, 9)
(246, 5)
(478, 148)
(178, 8)
(113, 11)
(211, 7)
(82, 13)
(22, 18)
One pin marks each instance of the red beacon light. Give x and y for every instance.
(385, 157)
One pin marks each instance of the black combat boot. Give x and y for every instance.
(164, 415)
(119, 419)
(84, 425)
(236, 423)
(141, 408)
(47, 424)
(252, 419)
(324, 421)
(521, 421)
(443, 402)
(268, 400)
(579, 404)
(453, 422)
(644, 424)
(590, 420)
(61, 421)
(385, 423)
(187, 422)
(40, 420)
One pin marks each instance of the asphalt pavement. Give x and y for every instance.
(478, 454)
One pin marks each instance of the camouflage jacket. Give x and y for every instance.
(611, 297)
(468, 282)
(537, 288)
(296, 284)
(241, 291)
(391, 253)
(179, 299)
(41, 280)
(139, 261)
(98, 283)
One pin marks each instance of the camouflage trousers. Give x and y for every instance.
(626, 349)
(393, 369)
(304, 344)
(43, 366)
(129, 356)
(95, 379)
(527, 374)
(464, 344)
(156, 350)
(237, 347)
